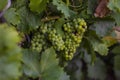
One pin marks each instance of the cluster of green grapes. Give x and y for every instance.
(73, 35)
(37, 42)
(65, 44)
(56, 40)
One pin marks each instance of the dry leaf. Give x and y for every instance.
(101, 9)
(117, 31)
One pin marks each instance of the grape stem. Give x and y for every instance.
(50, 18)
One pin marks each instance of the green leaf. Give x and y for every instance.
(10, 53)
(74, 69)
(63, 76)
(97, 71)
(114, 5)
(116, 50)
(97, 43)
(24, 78)
(62, 7)
(3, 5)
(50, 68)
(37, 5)
(117, 74)
(18, 4)
(102, 48)
(29, 21)
(109, 41)
(12, 16)
(58, 25)
(31, 64)
(91, 8)
(90, 50)
(103, 28)
(117, 62)
(116, 16)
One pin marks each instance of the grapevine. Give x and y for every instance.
(59, 39)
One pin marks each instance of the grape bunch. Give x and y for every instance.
(73, 35)
(56, 40)
(64, 44)
(37, 42)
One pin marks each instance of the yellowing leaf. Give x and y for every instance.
(37, 5)
(109, 41)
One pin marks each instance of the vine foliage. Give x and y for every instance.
(59, 39)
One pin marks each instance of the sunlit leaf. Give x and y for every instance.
(38, 5)
(109, 41)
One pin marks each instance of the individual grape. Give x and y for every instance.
(43, 28)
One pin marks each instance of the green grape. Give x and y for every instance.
(37, 42)
(43, 28)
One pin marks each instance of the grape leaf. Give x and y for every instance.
(114, 5)
(59, 30)
(97, 71)
(31, 63)
(37, 5)
(12, 16)
(29, 21)
(117, 74)
(3, 5)
(49, 67)
(116, 16)
(117, 62)
(62, 7)
(97, 43)
(91, 8)
(103, 28)
(17, 4)
(90, 50)
(10, 53)
(74, 69)
(109, 41)
(116, 50)
(117, 66)
(101, 48)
